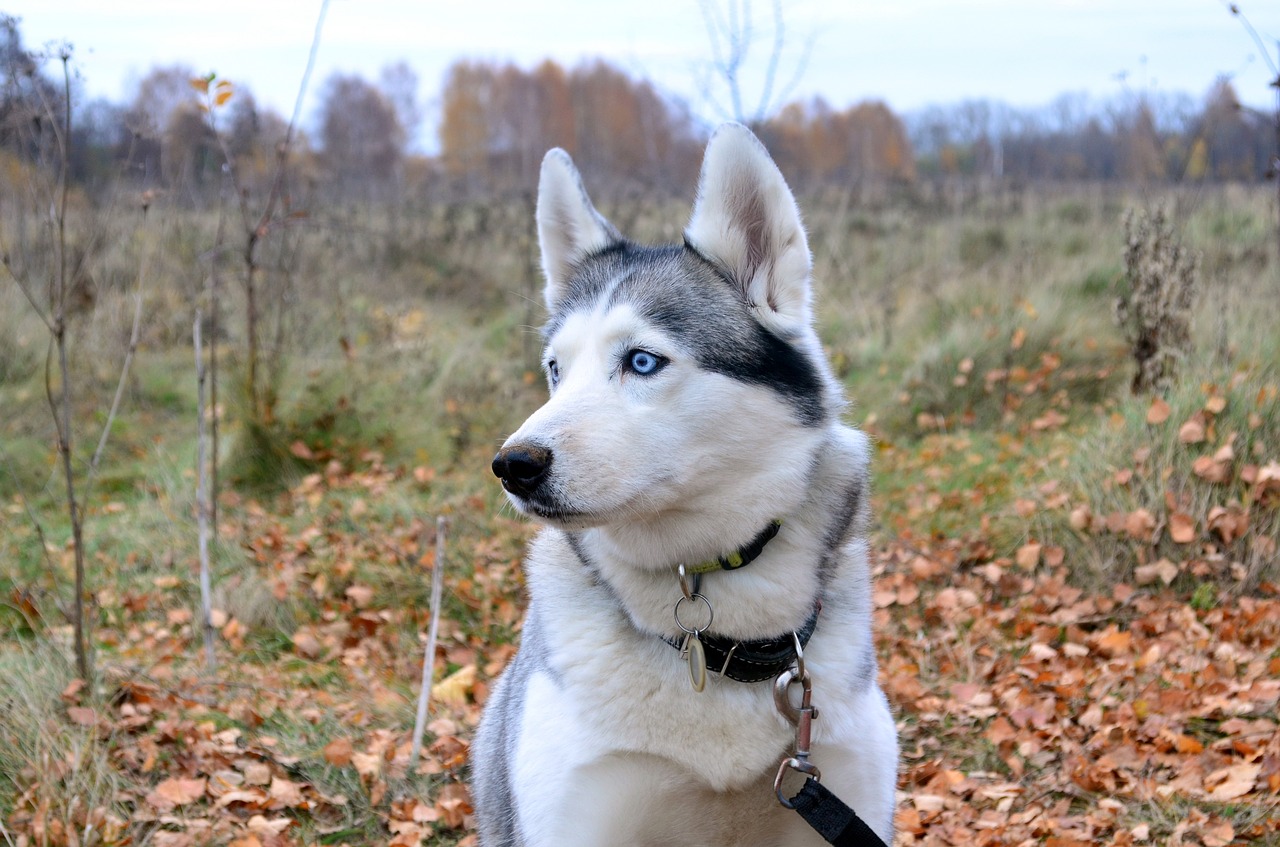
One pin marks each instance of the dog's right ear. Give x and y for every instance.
(569, 227)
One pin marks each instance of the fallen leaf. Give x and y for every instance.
(286, 794)
(1192, 432)
(260, 825)
(1211, 470)
(82, 715)
(368, 765)
(1163, 570)
(339, 752)
(1182, 528)
(306, 644)
(1230, 783)
(453, 690)
(928, 802)
(1028, 556)
(175, 792)
(1139, 524)
(454, 804)
(257, 773)
(1158, 412)
(360, 595)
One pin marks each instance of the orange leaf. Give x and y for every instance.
(286, 794)
(1028, 556)
(172, 793)
(361, 595)
(338, 752)
(201, 85)
(306, 644)
(1114, 642)
(1159, 411)
(1230, 783)
(1139, 524)
(1163, 570)
(1211, 470)
(1182, 528)
(222, 97)
(82, 715)
(454, 804)
(1192, 432)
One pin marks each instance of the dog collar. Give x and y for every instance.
(740, 558)
(753, 661)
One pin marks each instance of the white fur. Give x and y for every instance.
(569, 227)
(598, 738)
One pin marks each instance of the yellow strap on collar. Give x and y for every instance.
(739, 558)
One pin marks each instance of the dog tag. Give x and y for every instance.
(697, 662)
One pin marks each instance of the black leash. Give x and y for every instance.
(831, 818)
(825, 812)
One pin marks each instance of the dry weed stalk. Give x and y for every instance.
(429, 657)
(1154, 309)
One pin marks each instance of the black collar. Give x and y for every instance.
(753, 661)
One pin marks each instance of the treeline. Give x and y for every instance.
(1137, 137)
(497, 120)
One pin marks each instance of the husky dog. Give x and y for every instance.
(704, 510)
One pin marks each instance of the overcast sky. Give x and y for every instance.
(910, 53)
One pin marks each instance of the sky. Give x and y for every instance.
(908, 53)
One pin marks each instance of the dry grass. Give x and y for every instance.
(975, 338)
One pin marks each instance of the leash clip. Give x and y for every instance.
(801, 717)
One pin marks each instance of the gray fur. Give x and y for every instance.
(491, 787)
(593, 736)
(692, 299)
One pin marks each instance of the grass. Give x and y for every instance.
(1135, 464)
(977, 348)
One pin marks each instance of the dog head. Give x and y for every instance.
(686, 380)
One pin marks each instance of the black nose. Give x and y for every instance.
(522, 468)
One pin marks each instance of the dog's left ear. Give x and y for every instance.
(569, 227)
(746, 220)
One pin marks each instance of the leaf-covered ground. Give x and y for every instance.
(1076, 591)
(1030, 711)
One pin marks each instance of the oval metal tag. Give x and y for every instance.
(697, 662)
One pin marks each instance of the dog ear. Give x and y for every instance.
(746, 220)
(569, 227)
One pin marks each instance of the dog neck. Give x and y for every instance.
(777, 594)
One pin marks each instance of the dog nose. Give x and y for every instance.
(522, 468)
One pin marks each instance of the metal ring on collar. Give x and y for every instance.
(711, 615)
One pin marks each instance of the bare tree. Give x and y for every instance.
(1274, 65)
(733, 33)
(275, 214)
(399, 84)
(62, 269)
(361, 133)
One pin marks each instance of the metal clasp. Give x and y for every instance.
(801, 717)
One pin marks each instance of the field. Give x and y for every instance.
(1077, 589)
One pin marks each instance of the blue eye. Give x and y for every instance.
(553, 372)
(644, 363)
